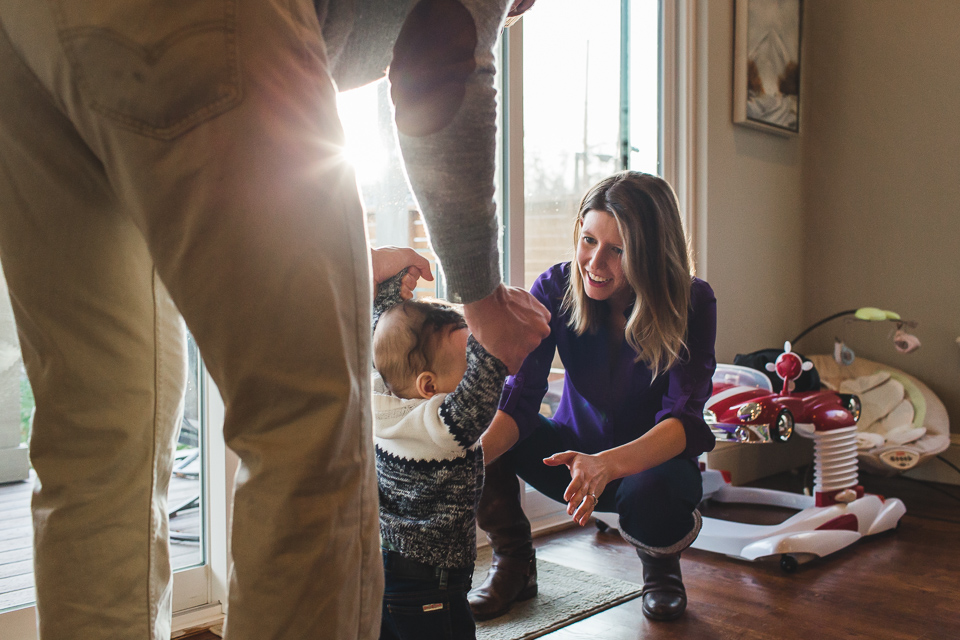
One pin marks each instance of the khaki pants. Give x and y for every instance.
(188, 147)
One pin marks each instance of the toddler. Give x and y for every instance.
(435, 392)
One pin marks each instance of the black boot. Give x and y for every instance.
(513, 573)
(664, 597)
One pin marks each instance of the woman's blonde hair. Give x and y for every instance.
(656, 263)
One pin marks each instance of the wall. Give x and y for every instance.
(881, 179)
(752, 209)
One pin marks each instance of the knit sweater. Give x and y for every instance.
(429, 459)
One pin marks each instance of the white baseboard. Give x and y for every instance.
(196, 619)
(548, 524)
(936, 470)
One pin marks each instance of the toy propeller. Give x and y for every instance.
(789, 366)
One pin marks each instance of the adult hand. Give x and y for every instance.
(389, 261)
(519, 6)
(589, 476)
(509, 323)
(517, 10)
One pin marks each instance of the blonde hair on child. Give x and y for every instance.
(409, 347)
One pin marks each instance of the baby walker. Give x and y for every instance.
(837, 515)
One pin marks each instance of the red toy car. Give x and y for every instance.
(744, 408)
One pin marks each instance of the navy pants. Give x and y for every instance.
(655, 507)
(421, 602)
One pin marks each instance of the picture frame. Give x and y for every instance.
(766, 77)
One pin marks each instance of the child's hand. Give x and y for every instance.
(588, 478)
(409, 282)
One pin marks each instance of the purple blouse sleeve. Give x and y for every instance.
(523, 392)
(690, 381)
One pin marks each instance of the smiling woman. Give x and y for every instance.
(600, 260)
(635, 331)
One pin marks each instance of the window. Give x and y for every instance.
(590, 96)
(393, 217)
(186, 497)
(590, 108)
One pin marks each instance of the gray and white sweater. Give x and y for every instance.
(429, 459)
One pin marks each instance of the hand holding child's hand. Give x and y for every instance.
(509, 323)
(588, 478)
(389, 261)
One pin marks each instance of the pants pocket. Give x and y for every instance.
(155, 67)
(422, 620)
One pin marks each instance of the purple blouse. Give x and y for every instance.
(606, 404)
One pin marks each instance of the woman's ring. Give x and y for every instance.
(594, 496)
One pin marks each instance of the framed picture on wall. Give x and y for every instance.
(766, 76)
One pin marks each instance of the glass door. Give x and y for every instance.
(187, 495)
(590, 96)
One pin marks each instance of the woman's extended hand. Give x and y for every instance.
(589, 476)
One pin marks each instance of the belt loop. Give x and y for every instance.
(444, 578)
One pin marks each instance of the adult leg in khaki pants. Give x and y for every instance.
(217, 165)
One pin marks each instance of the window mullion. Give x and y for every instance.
(512, 155)
(624, 84)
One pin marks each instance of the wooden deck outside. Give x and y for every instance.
(16, 537)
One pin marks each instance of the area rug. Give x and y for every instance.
(565, 596)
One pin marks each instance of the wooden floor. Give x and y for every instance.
(900, 585)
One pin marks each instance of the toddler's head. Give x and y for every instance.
(420, 348)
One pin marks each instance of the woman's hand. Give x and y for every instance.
(589, 475)
(389, 261)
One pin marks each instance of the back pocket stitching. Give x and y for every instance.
(230, 98)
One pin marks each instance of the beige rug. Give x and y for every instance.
(566, 596)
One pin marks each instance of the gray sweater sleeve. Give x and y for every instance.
(452, 172)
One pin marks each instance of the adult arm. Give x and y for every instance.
(690, 381)
(396, 271)
(509, 323)
(524, 391)
(442, 83)
(386, 262)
